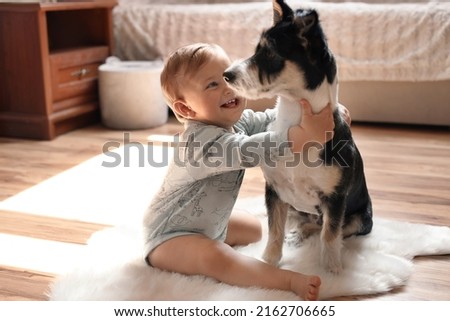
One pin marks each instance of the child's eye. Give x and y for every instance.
(212, 84)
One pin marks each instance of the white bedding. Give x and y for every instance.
(393, 42)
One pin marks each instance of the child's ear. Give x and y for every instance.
(182, 109)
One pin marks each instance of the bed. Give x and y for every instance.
(393, 58)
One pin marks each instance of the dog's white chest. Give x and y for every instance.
(289, 113)
(304, 179)
(302, 182)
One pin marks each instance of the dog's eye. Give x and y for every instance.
(271, 54)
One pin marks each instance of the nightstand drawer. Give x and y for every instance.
(50, 52)
(75, 72)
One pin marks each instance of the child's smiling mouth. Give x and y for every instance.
(232, 103)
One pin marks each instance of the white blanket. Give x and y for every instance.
(391, 42)
(113, 268)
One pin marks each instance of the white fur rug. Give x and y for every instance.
(113, 268)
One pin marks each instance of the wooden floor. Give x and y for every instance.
(407, 169)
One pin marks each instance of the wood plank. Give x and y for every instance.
(47, 228)
(23, 285)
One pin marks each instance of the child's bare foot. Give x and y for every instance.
(306, 286)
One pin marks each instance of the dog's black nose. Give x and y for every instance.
(229, 76)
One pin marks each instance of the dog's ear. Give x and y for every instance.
(281, 12)
(305, 20)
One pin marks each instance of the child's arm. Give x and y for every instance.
(317, 128)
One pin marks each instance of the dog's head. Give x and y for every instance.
(291, 57)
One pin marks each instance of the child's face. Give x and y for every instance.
(209, 98)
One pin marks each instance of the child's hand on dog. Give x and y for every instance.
(313, 128)
(345, 114)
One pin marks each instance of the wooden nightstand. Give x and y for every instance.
(49, 58)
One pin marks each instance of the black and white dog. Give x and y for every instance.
(293, 61)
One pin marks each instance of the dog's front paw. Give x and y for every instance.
(331, 262)
(272, 256)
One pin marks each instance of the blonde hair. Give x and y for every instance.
(180, 65)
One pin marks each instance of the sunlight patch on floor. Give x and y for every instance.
(39, 255)
(108, 189)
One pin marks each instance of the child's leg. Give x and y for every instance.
(243, 229)
(199, 255)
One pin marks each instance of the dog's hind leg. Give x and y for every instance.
(358, 216)
(358, 224)
(277, 214)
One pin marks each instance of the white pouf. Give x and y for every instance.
(130, 94)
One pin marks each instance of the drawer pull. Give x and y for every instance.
(81, 73)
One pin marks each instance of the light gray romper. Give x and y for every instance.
(204, 177)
